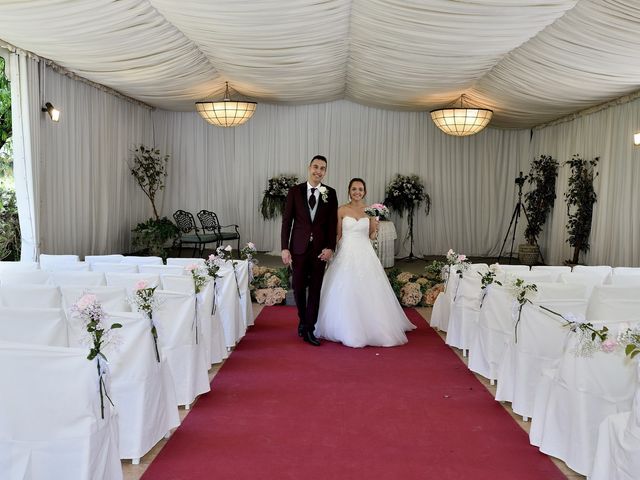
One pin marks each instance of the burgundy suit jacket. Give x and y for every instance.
(297, 226)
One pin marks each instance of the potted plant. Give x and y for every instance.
(538, 203)
(149, 168)
(580, 197)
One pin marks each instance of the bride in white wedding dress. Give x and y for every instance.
(357, 304)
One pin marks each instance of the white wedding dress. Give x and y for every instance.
(357, 304)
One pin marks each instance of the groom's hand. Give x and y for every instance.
(326, 255)
(286, 257)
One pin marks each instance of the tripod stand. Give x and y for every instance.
(411, 257)
(514, 222)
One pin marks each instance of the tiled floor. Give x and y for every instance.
(134, 472)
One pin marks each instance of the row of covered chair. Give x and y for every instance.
(548, 372)
(192, 334)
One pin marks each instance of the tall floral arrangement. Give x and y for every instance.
(98, 337)
(580, 198)
(275, 195)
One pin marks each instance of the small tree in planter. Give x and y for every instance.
(149, 168)
(539, 202)
(580, 198)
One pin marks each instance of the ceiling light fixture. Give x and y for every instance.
(226, 112)
(461, 121)
(53, 112)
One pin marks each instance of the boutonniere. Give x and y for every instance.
(324, 193)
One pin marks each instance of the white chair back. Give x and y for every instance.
(530, 276)
(513, 268)
(611, 304)
(30, 296)
(130, 280)
(603, 271)
(142, 260)
(18, 266)
(35, 326)
(68, 267)
(626, 271)
(625, 280)
(587, 279)
(33, 277)
(555, 270)
(162, 269)
(550, 291)
(178, 283)
(183, 262)
(47, 261)
(78, 279)
(115, 258)
(112, 299)
(114, 267)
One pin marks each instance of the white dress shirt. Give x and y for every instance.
(317, 195)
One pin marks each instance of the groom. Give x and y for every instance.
(308, 239)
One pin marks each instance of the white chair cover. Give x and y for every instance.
(533, 276)
(609, 302)
(618, 448)
(494, 331)
(246, 309)
(68, 267)
(602, 271)
(115, 258)
(183, 262)
(573, 399)
(141, 387)
(48, 261)
(513, 268)
(114, 267)
(183, 349)
(588, 279)
(228, 311)
(444, 302)
(625, 280)
(33, 277)
(130, 259)
(162, 269)
(463, 321)
(555, 270)
(78, 279)
(50, 422)
(36, 326)
(129, 280)
(625, 271)
(541, 340)
(30, 296)
(18, 266)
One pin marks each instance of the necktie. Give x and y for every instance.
(312, 199)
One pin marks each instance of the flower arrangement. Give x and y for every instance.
(144, 301)
(378, 210)
(414, 290)
(435, 271)
(99, 337)
(224, 254)
(269, 285)
(459, 261)
(199, 276)
(248, 251)
(406, 192)
(487, 279)
(275, 195)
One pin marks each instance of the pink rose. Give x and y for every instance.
(461, 258)
(141, 285)
(609, 345)
(86, 300)
(191, 268)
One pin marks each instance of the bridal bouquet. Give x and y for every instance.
(98, 336)
(378, 210)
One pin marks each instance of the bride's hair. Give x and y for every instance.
(354, 180)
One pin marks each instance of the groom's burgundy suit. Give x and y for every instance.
(305, 239)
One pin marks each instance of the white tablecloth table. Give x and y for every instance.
(386, 237)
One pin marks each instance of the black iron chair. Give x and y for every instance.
(210, 223)
(190, 234)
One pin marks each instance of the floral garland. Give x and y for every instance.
(98, 337)
(275, 195)
(144, 301)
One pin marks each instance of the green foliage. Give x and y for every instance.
(275, 195)
(406, 192)
(6, 161)
(149, 168)
(5, 105)
(433, 271)
(580, 197)
(154, 234)
(539, 201)
(9, 225)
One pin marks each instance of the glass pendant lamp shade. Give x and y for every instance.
(461, 121)
(226, 112)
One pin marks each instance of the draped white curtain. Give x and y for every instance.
(615, 232)
(88, 200)
(470, 180)
(25, 101)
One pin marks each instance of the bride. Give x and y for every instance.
(357, 304)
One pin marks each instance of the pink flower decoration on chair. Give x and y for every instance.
(141, 285)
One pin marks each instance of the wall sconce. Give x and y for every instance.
(636, 138)
(52, 111)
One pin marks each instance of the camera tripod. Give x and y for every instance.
(514, 222)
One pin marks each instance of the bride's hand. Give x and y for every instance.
(325, 255)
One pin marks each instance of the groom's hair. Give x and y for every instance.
(318, 157)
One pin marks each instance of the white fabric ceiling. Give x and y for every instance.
(531, 61)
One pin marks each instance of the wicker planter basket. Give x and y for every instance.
(528, 254)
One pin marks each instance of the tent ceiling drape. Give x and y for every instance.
(530, 60)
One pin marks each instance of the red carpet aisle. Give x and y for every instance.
(281, 409)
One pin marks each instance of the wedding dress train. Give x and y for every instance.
(357, 304)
